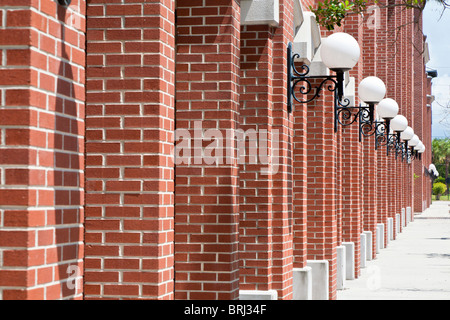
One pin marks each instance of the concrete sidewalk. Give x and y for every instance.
(415, 266)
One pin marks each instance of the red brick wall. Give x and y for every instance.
(129, 141)
(206, 196)
(41, 151)
(282, 180)
(374, 64)
(352, 158)
(321, 201)
(153, 229)
(255, 177)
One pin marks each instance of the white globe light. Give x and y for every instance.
(372, 90)
(387, 108)
(418, 146)
(422, 150)
(414, 141)
(340, 51)
(399, 123)
(407, 134)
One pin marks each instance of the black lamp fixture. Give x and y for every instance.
(64, 2)
(339, 52)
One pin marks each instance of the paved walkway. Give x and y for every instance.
(415, 266)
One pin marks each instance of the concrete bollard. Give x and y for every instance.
(363, 260)
(302, 282)
(320, 280)
(341, 267)
(369, 245)
(349, 260)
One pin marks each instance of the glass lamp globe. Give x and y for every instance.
(387, 108)
(340, 52)
(372, 90)
(418, 146)
(399, 123)
(407, 134)
(422, 150)
(414, 141)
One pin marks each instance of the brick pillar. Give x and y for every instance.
(427, 155)
(207, 198)
(392, 186)
(371, 64)
(129, 139)
(419, 119)
(255, 192)
(321, 209)
(41, 149)
(282, 179)
(352, 175)
(382, 72)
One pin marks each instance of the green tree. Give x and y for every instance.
(441, 153)
(331, 13)
(438, 189)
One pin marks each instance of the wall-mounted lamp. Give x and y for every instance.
(339, 52)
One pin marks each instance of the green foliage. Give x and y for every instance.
(440, 179)
(331, 13)
(439, 188)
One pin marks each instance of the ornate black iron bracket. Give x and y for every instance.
(300, 84)
(301, 81)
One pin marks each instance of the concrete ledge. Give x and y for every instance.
(363, 259)
(349, 260)
(260, 12)
(302, 278)
(320, 280)
(258, 295)
(341, 270)
(369, 245)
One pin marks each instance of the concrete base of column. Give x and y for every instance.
(363, 259)
(408, 215)
(258, 295)
(341, 267)
(403, 217)
(380, 237)
(397, 224)
(349, 260)
(390, 228)
(302, 278)
(369, 251)
(320, 280)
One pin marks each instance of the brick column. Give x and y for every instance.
(255, 174)
(282, 180)
(373, 65)
(352, 176)
(207, 198)
(419, 117)
(321, 209)
(41, 149)
(129, 140)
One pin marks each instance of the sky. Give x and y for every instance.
(437, 30)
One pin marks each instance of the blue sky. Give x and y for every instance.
(437, 30)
